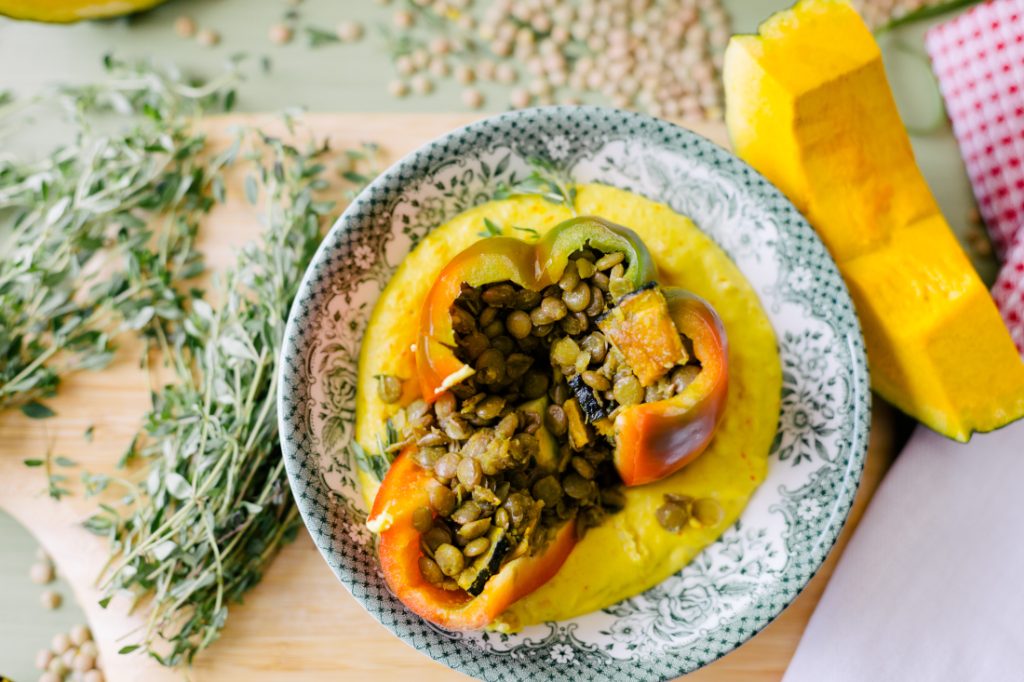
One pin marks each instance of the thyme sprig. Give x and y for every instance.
(924, 13)
(376, 464)
(546, 181)
(83, 257)
(493, 229)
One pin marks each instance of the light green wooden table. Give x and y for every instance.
(331, 78)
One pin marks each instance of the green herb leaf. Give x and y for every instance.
(33, 462)
(165, 549)
(491, 228)
(374, 464)
(36, 410)
(178, 486)
(252, 192)
(531, 234)
(319, 37)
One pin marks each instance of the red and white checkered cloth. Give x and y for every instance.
(1009, 293)
(978, 58)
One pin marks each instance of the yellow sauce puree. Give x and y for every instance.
(630, 551)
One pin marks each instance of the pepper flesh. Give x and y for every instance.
(499, 259)
(405, 489)
(653, 440)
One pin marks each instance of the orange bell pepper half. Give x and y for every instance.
(495, 259)
(653, 440)
(531, 266)
(405, 489)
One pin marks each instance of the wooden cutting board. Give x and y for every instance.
(299, 623)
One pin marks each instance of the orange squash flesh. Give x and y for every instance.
(809, 106)
(641, 328)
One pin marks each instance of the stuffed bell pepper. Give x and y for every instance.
(551, 376)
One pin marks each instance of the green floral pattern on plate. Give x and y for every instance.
(739, 583)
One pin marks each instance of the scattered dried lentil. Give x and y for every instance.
(422, 85)
(41, 573)
(472, 98)
(520, 98)
(398, 88)
(80, 634)
(60, 643)
(185, 27)
(43, 658)
(403, 19)
(349, 31)
(50, 599)
(280, 34)
(207, 37)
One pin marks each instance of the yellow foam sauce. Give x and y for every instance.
(630, 552)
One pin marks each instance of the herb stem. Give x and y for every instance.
(217, 563)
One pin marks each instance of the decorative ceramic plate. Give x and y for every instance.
(739, 583)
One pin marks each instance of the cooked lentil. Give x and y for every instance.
(673, 515)
(707, 511)
(476, 547)
(422, 519)
(449, 559)
(431, 571)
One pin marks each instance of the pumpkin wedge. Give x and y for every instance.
(67, 11)
(809, 106)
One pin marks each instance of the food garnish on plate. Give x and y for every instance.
(551, 402)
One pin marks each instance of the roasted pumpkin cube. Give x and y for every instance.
(641, 328)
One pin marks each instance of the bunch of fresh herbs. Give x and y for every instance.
(98, 235)
(213, 506)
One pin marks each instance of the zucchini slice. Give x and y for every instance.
(591, 404)
(474, 578)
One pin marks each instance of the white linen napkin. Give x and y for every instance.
(931, 585)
